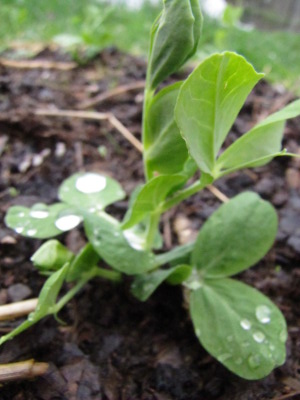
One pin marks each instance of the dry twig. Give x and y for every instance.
(22, 370)
(111, 93)
(32, 64)
(97, 116)
(18, 309)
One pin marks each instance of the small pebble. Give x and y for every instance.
(293, 178)
(18, 292)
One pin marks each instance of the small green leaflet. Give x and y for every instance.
(84, 261)
(42, 221)
(239, 326)
(174, 38)
(235, 237)
(258, 146)
(111, 244)
(52, 255)
(165, 149)
(209, 102)
(46, 302)
(144, 285)
(90, 191)
(151, 196)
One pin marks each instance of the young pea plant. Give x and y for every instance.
(184, 128)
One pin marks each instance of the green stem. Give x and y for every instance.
(96, 271)
(107, 274)
(68, 296)
(183, 194)
(148, 96)
(152, 229)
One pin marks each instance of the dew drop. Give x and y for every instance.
(67, 222)
(148, 287)
(245, 324)
(283, 336)
(92, 209)
(259, 337)
(21, 215)
(263, 314)
(134, 240)
(198, 332)
(20, 229)
(31, 317)
(31, 232)
(90, 183)
(272, 347)
(39, 214)
(254, 361)
(223, 357)
(194, 285)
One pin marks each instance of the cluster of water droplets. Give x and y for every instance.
(267, 350)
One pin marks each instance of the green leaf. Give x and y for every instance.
(258, 146)
(174, 38)
(144, 285)
(179, 255)
(165, 149)
(90, 191)
(42, 221)
(46, 302)
(52, 255)
(111, 244)
(151, 196)
(84, 261)
(209, 102)
(235, 237)
(239, 326)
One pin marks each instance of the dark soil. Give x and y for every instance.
(113, 347)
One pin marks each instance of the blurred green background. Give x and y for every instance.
(266, 32)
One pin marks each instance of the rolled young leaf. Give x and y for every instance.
(52, 255)
(239, 326)
(258, 146)
(174, 38)
(235, 237)
(165, 149)
(209, 102)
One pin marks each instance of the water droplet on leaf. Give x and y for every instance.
(245, 324)
(19, 229)
(21, 215)
(254, 361)
(39, 214)
(31, 232)
(90, 183)
(263, 314)
(135, 241)
(198, 332)
(67, 222)
(224, 357)
(259, 337)
(283, 335)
